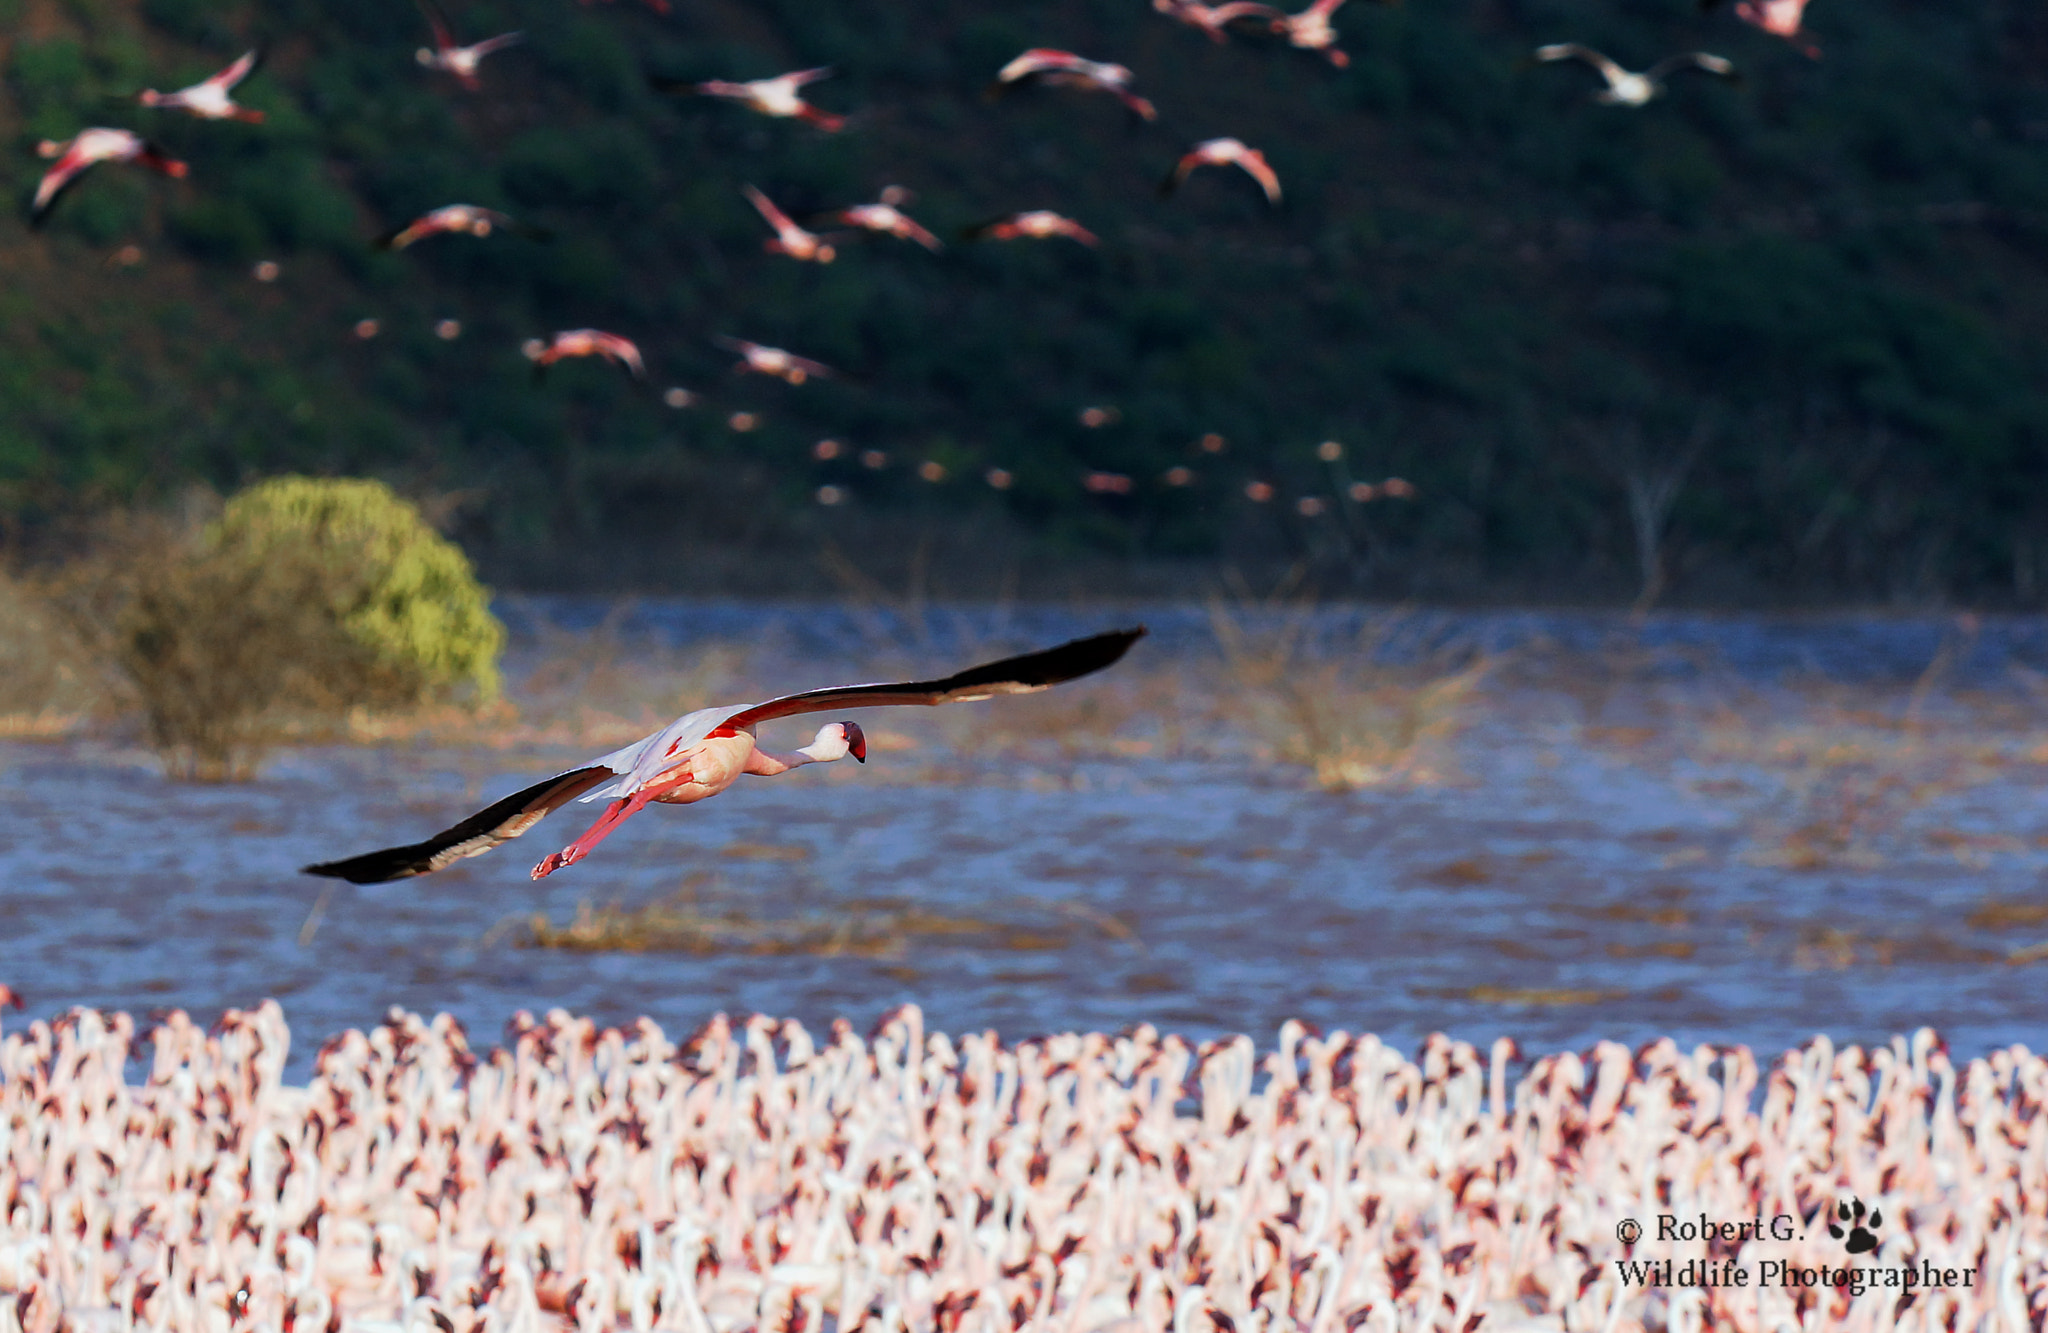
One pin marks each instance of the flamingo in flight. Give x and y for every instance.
(209, 99)
(887, 218)
(1064, 69)
(1627, 88)
(700, 754)
(87, 149)
(1037, 225)
(461, 61)
(1780, 18)
(764, 360)
(1310, 30)
(790, 239)
(1225, 153)
(777, 97)
(1215, 19)
(457, 220)
(584, 342)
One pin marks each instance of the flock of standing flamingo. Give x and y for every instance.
(757, 1179)
(782, 97)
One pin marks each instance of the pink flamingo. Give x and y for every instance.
(1064, 69)
(701, 754)
(887, 218)
(584, 342)
(777, 97)
(461, 61)
(456, 220)
(1221, 153)
(765, 360)
(1310, 30)
(1780, 18)
(790, 239)
(1037, 225)
(1215, 19)
(209, 99)
(88, 148)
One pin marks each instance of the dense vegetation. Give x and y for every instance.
(1776, 340)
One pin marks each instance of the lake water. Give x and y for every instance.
(1722, 829)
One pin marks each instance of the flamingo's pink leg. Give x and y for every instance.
(614, 815)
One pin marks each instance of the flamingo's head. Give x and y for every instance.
(149, 97)
(826, 254)
(424, 56)
(10, 998)
(532, 349)
(844, 737)
(480, 227)
(49, 148)
(895, 195)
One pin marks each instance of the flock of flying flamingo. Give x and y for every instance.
(756, 1178)
(782, 97)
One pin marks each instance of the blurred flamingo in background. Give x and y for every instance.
(1215, 19)
(209, 99)
(87, 149)
(1310, 30)
(1625, 87)
(1225, 153)
(1037, 225)
(460, 61)
(777, 97)
(1064, 69)
(1780, 18)
(457, 220)
(790, 239)
(584, 342)
(887, 218)
(764, 360)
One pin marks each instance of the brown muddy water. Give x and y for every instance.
(1722, 830)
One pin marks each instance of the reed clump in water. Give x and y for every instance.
(682, 924)
(1354, 716)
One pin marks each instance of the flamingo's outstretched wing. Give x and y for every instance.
(444, 32)
(1700, 60)
(1013, 675)
(485, 829)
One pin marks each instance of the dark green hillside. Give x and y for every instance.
(1798, 326)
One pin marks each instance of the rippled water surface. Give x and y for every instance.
(1717, 829)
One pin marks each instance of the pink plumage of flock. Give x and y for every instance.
(756, 1178)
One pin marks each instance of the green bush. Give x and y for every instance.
(398, 588)
(304, 599)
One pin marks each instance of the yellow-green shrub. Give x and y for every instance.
(396, 586)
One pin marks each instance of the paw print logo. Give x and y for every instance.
(1860, 1237)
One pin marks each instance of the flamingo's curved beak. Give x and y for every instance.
(856, 741)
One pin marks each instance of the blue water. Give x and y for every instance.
(1591, 863)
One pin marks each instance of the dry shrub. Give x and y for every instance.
(50, 684)
(1353, 717)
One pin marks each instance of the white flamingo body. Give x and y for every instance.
(1311, 30)
(701, 754)
(790, 239)
(1227, 153)
(774, 361)
(211, 98)
(779, 97)
(1065, 69)
(1627, 87)
(1038, 224)
(89, 148)
(450, 220)
(461, 61)
(887, 219)
(585, 342)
